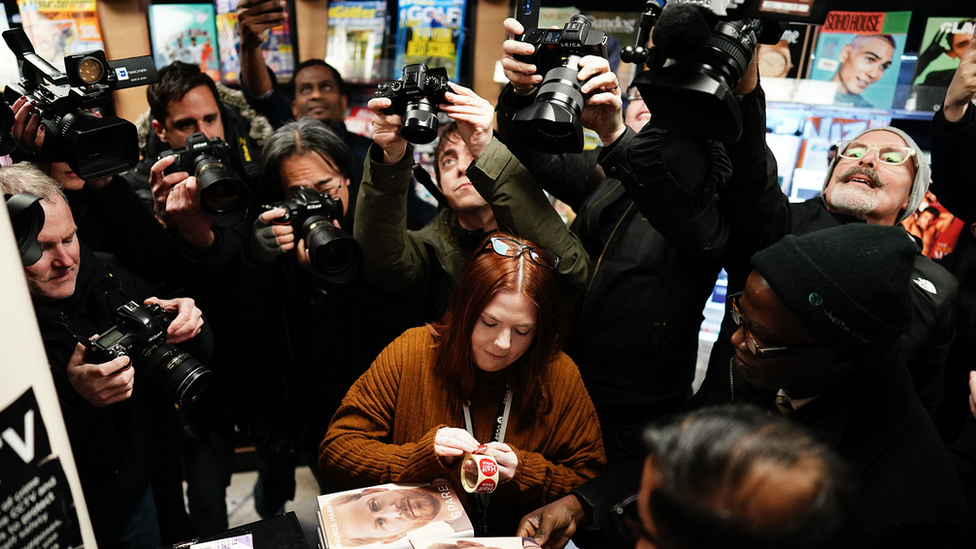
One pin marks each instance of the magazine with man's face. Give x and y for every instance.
(391, 515)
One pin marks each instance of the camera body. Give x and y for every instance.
(415, 97)
(223, 195)
(334, 253)
(139, 332)
(552, 122)
(94, 147)
(701, 52)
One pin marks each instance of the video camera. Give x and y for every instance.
(174, 377)
(94, 147)
(334, 254)
(701, 51)
(415, 97)
(552, 120)
(223, 195)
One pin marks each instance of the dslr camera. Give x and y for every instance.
(93, 146)
(223, 196)
(551, 123)
(334, 254)
(173, 376)
(415, 98)
(701, 51)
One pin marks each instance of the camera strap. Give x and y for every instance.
(501, 425)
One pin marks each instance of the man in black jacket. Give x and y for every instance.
(107, 407)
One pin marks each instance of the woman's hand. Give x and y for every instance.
(505, 458)
(450, 443)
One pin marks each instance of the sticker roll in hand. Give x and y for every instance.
(485, 479)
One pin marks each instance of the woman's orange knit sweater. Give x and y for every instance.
(384, 431)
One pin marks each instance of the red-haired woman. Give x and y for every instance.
(489, 372)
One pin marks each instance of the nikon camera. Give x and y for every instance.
(552, 123)
(334, 254)
(415, 97)
(223, 196)
(173, 376)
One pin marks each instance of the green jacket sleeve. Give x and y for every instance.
(394, 258)
(522, 208)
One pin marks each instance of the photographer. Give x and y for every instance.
(485, 189)
(636, 341)
(336, 322)
(109, 420)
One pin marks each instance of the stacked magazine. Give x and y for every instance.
(392, 516)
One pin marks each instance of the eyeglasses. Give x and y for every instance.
(754, 347)
(628, 523)
(888, 154)
(510, 248)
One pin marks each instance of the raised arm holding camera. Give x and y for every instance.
(635, 343)
(485, 189)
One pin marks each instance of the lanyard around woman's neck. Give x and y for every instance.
(501, 425)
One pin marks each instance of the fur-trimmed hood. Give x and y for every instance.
(261, 129)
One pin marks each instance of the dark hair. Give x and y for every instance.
(447, 133)
(175, 81)
(320, 63)
(485, 274)
(703, 457)
(305, 136)
(932, 210)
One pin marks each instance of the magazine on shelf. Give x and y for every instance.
(187, 33)
(356, 36)
(781, 65)
(856, 60)
(944, 41)
(61, 27)
(476, 543)
(391, 515)
(279, 51)
(430, 32)
(229, 41)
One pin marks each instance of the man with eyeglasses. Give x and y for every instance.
(817, 342)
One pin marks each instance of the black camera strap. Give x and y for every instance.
(501, 426)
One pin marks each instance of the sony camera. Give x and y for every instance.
(334, 254)
(552, 122)
(701, 52)
(173, 376)
(93, 146)
(223, 196)
(415, 97)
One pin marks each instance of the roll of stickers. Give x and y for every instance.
(486, 478)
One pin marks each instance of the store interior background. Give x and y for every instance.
(126, 34)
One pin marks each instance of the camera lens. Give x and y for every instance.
(420, 121)
(553, 119)
(223, 196)
(333, 252)
(174, 376)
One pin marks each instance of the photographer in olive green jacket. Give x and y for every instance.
(485, 189)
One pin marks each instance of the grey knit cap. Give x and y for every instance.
(923, 175)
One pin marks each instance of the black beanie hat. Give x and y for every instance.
(849, 285)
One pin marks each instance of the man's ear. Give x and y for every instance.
(294, 110)
(845, 53)
(394, 538)
(344, 100)
(160, 131)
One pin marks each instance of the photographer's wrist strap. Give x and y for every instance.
(501, 425)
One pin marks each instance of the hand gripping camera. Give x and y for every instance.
(94, 147)
(334, 254)
(140, 333)
(415, 97)
(223, 196)
(701, 51)
(552, 123)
